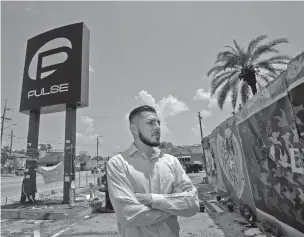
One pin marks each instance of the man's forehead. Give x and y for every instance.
(149, 115)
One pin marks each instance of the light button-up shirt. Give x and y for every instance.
(133, 172)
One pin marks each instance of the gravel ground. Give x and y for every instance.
(228, 222)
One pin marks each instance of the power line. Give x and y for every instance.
(60, 143)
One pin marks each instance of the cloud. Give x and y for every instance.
(91, 69)
(203, 95)
(167, 107)
(87, 135)
(205, 113)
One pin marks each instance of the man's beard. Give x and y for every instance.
(147, 142)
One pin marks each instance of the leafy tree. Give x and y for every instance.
(4, 158)
(83, 156)
(6, 148)
(238, 70)
(44, 147)
(164, 145)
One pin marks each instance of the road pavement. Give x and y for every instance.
(11, 186)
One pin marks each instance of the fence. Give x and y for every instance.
(258, 154)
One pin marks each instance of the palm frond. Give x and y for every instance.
(259, 85)
(215, 70)
(234, 87)
(223, 92)
(278, 41)
(239, 49)
(267, 48)
(224, 73)
(217, 82)
(222, 95)
(233, 50)
(280, 57)
(263, 49)
(234, 96)
(244, 92)
(264, 78)
(267, 66)
(253, 43)
(225, 56)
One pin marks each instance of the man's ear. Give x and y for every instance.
(133, 129)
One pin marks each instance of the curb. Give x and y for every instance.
(34, 215)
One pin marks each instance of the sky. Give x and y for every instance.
(154, 53)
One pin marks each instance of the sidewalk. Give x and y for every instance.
(105, 225)
(50, 208)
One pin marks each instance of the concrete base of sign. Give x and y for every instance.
(62, 212)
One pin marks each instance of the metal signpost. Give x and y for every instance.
(61, 85)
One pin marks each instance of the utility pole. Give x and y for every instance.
(97, 149)
(202, 142)
(3, 118)
(11, 143)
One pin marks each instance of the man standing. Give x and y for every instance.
(149, 189)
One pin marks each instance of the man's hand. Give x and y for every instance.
(183, 187)
(144, 198)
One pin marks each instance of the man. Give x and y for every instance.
(149, 189)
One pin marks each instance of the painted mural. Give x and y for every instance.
(268, 140)
(230, 155)
(259, 152)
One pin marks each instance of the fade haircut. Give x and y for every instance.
(138, 110)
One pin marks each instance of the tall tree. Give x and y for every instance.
(238, 70)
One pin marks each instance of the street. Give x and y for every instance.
(105, 224)
(11, 185)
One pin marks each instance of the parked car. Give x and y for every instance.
(19, 171)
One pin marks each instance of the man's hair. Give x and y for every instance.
(138, 110)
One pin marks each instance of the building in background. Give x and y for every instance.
(51, 158)
(188, 153)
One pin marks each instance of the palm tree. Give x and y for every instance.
(239, 70)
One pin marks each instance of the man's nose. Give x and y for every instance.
(157, 127)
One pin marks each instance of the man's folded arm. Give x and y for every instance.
(129, 211)
(179, 204)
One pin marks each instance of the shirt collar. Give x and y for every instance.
(156, 152)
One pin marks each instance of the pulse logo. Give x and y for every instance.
(49, 58)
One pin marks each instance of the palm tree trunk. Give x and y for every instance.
(253, 88)
(251, 81)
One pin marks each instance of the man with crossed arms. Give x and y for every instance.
(149, 189)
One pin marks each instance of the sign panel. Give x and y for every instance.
(56, 70)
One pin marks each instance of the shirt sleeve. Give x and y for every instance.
(129, 211)
(179, 204)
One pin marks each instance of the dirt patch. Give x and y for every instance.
(230, 223)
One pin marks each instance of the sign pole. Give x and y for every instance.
(32, 154)
(69, 151)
